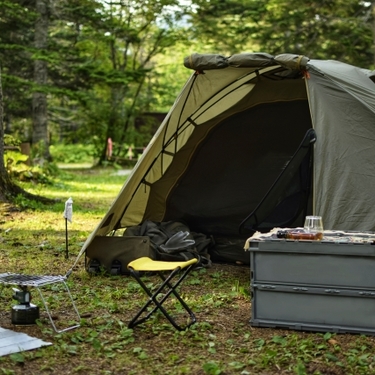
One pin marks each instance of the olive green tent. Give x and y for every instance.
(221, 161)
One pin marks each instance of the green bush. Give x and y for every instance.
(18, 169)
(70, 154)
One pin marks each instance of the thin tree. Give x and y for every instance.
(40, 129)
(8, 189)
(5, 183)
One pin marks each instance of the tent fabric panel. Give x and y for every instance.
(239, 89)
(344, 171)
(268, 91)
(202, 87)
(222, 104)
(348, 78)
(138, 205)
(243, 84)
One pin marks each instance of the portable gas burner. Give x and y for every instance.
(25, 312)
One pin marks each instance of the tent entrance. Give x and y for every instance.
(232, 168)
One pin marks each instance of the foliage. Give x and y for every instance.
(338, 30)
(76, 153)
(18, 165)
(335, 29)
(82, 154)
(11, 141)
(16, 39)
(15, 162)
(123, 49)
(170, 75)
(98, 58)
(228, 27)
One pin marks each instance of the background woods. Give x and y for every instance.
(81, 72)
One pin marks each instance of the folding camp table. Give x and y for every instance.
(39, 282)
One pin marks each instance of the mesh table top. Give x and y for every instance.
(29, 280)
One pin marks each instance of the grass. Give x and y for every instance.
(33, 241)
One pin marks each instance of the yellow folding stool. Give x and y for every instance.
(146, 264)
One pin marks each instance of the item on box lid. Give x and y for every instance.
(299, 235)
(314, 224)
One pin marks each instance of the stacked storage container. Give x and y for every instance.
(326, 286)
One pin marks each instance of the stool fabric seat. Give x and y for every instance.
(147, 264)
(164, 290)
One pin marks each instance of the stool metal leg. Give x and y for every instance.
(173, 290)
(158, 304)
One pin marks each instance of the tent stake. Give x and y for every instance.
(66, 239)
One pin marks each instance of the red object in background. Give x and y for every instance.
(109, 147)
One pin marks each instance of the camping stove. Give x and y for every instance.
(24, 313)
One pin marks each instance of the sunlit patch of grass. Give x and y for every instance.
(89, 190)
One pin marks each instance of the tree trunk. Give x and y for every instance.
(40, 138)
(8, 189)
(4, 178)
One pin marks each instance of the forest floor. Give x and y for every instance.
(33, 241)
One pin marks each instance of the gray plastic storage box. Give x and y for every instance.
(318, 285)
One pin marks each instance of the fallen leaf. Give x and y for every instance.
(333, 342)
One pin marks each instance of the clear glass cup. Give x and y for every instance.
(314, 225)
